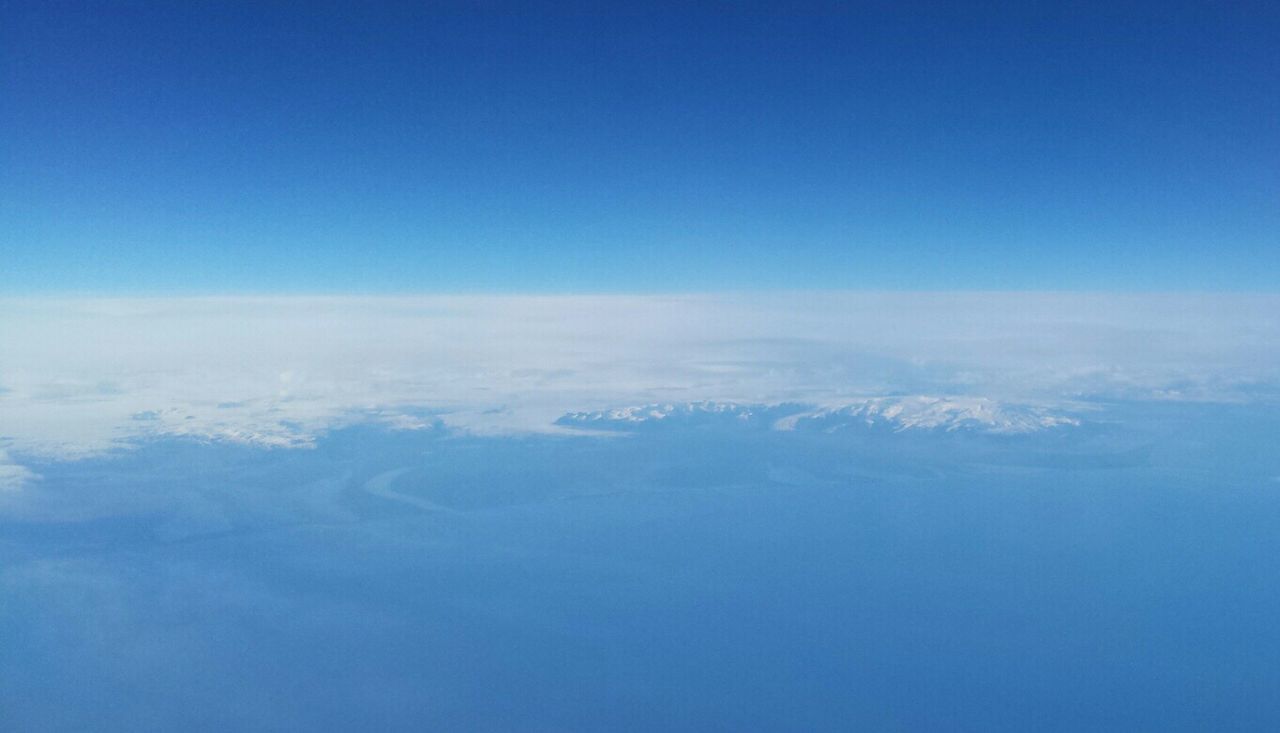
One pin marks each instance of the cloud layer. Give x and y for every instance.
(79, 376)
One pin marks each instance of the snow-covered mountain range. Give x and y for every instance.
(916, 412)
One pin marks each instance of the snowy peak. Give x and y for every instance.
(682, 414)
(894, 414)
(921, 412)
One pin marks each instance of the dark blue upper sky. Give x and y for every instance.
(269, 147)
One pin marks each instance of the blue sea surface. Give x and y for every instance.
(1119, 575)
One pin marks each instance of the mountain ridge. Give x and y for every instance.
(892, 413)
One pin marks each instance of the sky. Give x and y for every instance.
(278, 148)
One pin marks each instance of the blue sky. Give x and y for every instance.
(218, 148)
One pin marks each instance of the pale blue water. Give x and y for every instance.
(1119, 576)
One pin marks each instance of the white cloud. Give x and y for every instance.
(13, 476)
(81, 375)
